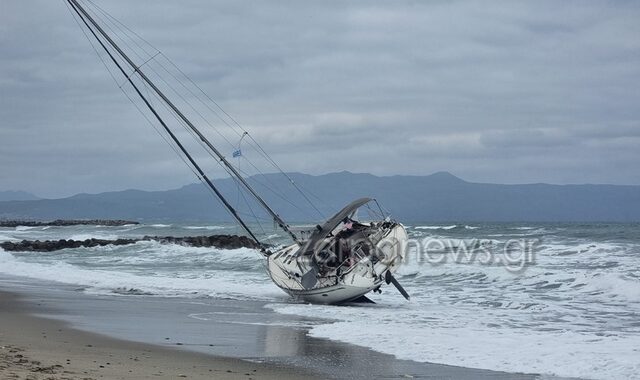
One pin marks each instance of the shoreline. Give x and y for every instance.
(33, 347)
(187, 337)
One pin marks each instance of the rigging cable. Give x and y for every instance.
(222, 158)
(259, 148)
(77, 8)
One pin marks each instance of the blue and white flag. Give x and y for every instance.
(237, 153)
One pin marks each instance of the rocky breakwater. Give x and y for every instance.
(66, 222)
(217, 241)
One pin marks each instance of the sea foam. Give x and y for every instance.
(572, 312)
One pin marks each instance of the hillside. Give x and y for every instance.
(437, 197)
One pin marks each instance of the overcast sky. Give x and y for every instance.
(504, 92)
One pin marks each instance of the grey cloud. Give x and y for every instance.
(526, 138)
(506, 92)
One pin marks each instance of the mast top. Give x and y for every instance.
(85, 16)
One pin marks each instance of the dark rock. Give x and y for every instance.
(217, 241)
(60, 222)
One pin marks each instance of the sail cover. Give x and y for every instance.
(332, 223)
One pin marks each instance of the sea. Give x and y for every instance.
(561, 299)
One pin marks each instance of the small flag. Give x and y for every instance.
(237, 153)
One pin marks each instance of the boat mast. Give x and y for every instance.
(220, 156)
(199, 170)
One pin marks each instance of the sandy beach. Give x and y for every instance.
(38, 348)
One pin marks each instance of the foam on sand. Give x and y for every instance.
(460, 338)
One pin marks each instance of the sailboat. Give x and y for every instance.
(339, 261)
(342, 260)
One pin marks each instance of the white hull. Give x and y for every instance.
(335, 294)
(341, 284)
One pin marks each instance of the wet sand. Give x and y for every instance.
(38, 348)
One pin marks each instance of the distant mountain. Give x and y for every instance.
(437, 197)
(16, 196)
